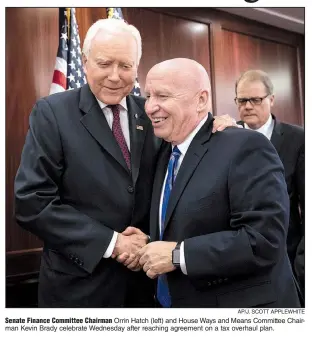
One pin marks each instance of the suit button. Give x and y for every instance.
(130, 189)
(220, 280)
(214, 282)
(225, 279)
(209, 284)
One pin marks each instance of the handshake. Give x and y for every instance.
(133, 251)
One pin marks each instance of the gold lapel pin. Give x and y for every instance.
(139, 127)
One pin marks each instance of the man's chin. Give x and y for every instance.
(111, 99)
(160, 134)
(252, 122)
(250, 119)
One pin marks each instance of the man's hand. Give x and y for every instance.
(156, 258)
(128, 244)
(222, 122)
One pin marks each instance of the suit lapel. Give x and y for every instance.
(160, 173)
(277, 136)
(198, 147)
(138, 124)
(96, 124)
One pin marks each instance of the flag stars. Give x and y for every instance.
(73, 52)
(71, 77)
(64, 36)
(72, 65)
(69, 44)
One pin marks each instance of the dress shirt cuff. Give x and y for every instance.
(182, 259)
(110, 248)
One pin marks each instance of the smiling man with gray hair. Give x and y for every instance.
(85, 176)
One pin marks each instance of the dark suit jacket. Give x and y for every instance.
(73, 189)
(288, 141)
(229, 205)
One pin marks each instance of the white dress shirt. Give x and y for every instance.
(124, 122)
(266, 129)
(183, 149)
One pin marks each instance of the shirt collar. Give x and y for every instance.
(123, 103)
(265, 128)
(185, 145)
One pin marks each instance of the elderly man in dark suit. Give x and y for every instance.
(85, 175)
(255, 99)
(219, 212)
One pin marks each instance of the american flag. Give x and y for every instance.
(116, 13)
(68, 72)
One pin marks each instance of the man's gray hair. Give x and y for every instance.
(111, 26)
(257, 75)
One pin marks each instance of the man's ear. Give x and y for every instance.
(272, 100)
(203, 100)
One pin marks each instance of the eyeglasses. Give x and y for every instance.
(251, 100)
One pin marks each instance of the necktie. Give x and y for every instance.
(163, 295)
(119, 136)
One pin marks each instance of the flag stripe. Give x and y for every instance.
(68, 70)
(55, 88)
(59, 78)
(61, 65)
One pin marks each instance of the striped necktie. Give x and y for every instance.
(118, 134)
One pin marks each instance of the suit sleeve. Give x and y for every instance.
(38, 201)
(300, 184)
(259, 211)
(299, 262)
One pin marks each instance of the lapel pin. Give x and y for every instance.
(136, 115)
(139, 127)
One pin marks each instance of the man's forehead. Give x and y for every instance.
(166, 77)
(104, 35)
(123, 40)
(246, 84)
(164, 84)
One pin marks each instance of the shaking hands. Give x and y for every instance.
(133, 251)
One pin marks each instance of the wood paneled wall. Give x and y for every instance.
(31, 46)
(225, 44)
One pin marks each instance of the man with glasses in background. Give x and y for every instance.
(255, 98)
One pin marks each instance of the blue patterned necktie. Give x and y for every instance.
(163, 295)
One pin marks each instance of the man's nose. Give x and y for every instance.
(114, 73)
(151, 106)
(248, 105)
